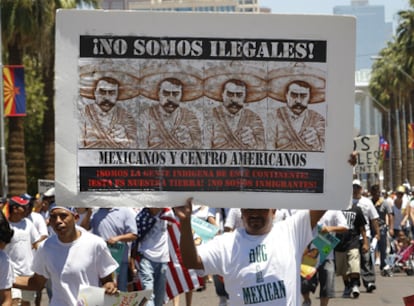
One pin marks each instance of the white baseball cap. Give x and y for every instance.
(357, 182)
(50, 192)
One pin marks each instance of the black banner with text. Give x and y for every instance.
(200, 179)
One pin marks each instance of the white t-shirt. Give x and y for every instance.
(262, 270)
(70, 265)
(369, 211)
(331, 218)
(154, 246)
(200, 211)
(234, 219)
(20, 247)
(39, 223)
(6, 271)
(399, 213)
(282, 214)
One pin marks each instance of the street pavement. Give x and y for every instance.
(390, 291)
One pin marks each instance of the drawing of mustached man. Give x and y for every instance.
(233, 126)
(105, 123)
(167, 125)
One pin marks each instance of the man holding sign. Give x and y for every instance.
(259, 242)
(253, 257)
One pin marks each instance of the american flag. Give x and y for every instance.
(179, 278)
(145, 221)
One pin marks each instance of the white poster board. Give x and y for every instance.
(43, 185)
(368, 149)
(96, 296)
(172, 126)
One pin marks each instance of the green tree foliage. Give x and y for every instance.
(28, 29)
(35, 109)
(392, 85)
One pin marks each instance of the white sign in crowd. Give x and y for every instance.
(369, 153)
(258, 111)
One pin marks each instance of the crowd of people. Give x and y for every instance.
(44, 245)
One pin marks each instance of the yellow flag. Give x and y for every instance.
(411, 135)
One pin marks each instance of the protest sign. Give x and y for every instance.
(117, 252)
(202, 228)
(43, 185)
(145, 109)
(368, 150)
(322, 245)
(96, 296)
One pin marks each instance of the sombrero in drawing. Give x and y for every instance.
(279, 79)
(89, 75)
(154, 73)
(253, 77)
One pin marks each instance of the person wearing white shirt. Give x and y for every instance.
(233, 220)
(263, 244)
(25, 238)
(333, 221)
(400, 212)
(70, 259)
(6, 267)
(371, 217)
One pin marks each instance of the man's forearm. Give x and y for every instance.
(188, 249)
(390, 221)
(376, 228)
(315, 216)
(123, 238)
(5, 297)
(27, 283)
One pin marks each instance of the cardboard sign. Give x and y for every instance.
(95, 296)
(368, 149)
(44, 185)
(322, 245)
(202, 228)
(227, 114)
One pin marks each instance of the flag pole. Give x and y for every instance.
(3, 165)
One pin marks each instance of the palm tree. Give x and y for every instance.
(383, 88)
(405, 42)
(19, 33)
(28, 28)
(393, 85)
(48, 77)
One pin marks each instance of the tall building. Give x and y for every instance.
(251, 6)
(371, 29)
(372, 34)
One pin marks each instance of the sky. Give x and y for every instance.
(326, 6)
